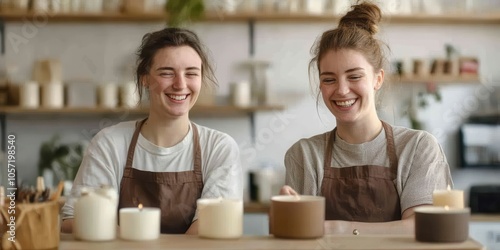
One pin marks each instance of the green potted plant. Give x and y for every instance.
(181, 12)
(59, 159)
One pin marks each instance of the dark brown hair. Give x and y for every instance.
(172, 37)
(355, 31)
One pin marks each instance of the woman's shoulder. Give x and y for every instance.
(119, 131)
(407, 135)
(212, 136)
(312, 143)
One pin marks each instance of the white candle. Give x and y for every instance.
(53, 95)
(29, 95)
(140, 223)
(451, 198)
(108, 95)
(220, 218)
(241, 94)
(95, 217)
(129, 95)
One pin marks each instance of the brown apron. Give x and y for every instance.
(175, 193)
(361, 193)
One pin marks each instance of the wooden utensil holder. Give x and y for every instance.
(36, 225)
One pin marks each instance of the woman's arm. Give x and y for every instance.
(403, 226)
(193, 229)
(95, 170)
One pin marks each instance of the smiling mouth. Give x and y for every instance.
(177, 97)
(345, 104)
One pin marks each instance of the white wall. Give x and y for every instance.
(105, 52)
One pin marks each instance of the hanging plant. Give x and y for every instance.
(181, 12)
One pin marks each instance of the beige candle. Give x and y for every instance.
(140, 223)
(451, 198)
(441, 224)
(220, 218)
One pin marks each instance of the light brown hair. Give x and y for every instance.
(355, 31)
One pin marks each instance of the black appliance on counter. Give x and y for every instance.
(480, 142)
(485, 199)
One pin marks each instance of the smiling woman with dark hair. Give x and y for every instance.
(165, 160)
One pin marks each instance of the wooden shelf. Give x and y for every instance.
(195, 111)
(305, 17)
(19, 16)
(439, 79)
(466, 18)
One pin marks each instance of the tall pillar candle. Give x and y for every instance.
(29, 95)
(138, 223)
(449, 197)
(95, 217)
(220, 218)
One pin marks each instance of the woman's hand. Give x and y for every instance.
(287, 190)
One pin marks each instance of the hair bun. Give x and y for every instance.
(365, 16)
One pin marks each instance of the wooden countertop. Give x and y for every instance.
(485, 218)
(269, 242)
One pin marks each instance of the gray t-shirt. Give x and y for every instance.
(422, 165)
(105, 159)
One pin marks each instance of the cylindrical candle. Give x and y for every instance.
(297, 217)
(441, 224)
(95, 217)
(220, 218)
(241, 94)
(451, 198)
(108, 95)
(29, 95)
(129, 95)
(53, 95)
(140, 223)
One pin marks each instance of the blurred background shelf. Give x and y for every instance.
(195, 111)
(466, 18)
(439, 79)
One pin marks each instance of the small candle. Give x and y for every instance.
(220, 218)
(29, 95)
(448, 197)
(297, 216)
(441, 224)
(141, 223)
(53, 95)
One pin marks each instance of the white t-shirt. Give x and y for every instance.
(105, 158)
(422, 165)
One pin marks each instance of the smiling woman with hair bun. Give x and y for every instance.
(371, 174)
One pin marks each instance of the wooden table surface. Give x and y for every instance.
(166, 242)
